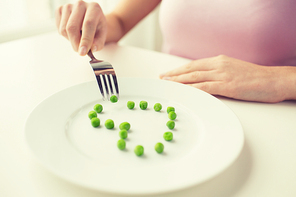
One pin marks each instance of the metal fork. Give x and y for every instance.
(104, 73)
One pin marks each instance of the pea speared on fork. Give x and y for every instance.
(106, 77)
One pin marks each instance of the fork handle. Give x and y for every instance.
(90, 54)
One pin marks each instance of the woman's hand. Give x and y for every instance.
(71, 19)
(225, 76)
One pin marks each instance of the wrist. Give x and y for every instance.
(287, 82)
(115, 29)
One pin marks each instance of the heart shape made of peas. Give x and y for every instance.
(125, 126)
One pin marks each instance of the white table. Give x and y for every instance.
(37, 67)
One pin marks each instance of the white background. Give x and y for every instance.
(24, 18)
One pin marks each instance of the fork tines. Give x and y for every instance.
(106, 78)
(104, 72)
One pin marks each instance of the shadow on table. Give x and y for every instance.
(225, 184)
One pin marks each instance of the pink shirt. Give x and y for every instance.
(258, 31)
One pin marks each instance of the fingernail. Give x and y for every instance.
(95, 48)
(82, 50)
(162, 75)
(166, 78)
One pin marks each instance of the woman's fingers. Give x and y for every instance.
(65, 12)
(196, 65)
(93, 23)
(75, 23)
(194, 77)
(58, 15)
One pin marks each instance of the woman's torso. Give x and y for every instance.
(258, 31)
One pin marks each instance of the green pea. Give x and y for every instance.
(143, 105)
(170, 124)
(124, 126)
(109, 124)
(92, 114)
(123, 134)
(98, 108)
(121, 144)
(113, 99)
(139, 150)
(130, 104)
(157, 107)
(172, 115)
(169, 109)
(168, 136)
(159, 147)
(95, 122)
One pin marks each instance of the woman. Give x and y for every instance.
(240, 49)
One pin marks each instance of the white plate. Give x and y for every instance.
(208, 137)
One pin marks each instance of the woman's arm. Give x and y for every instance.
(233, 78)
